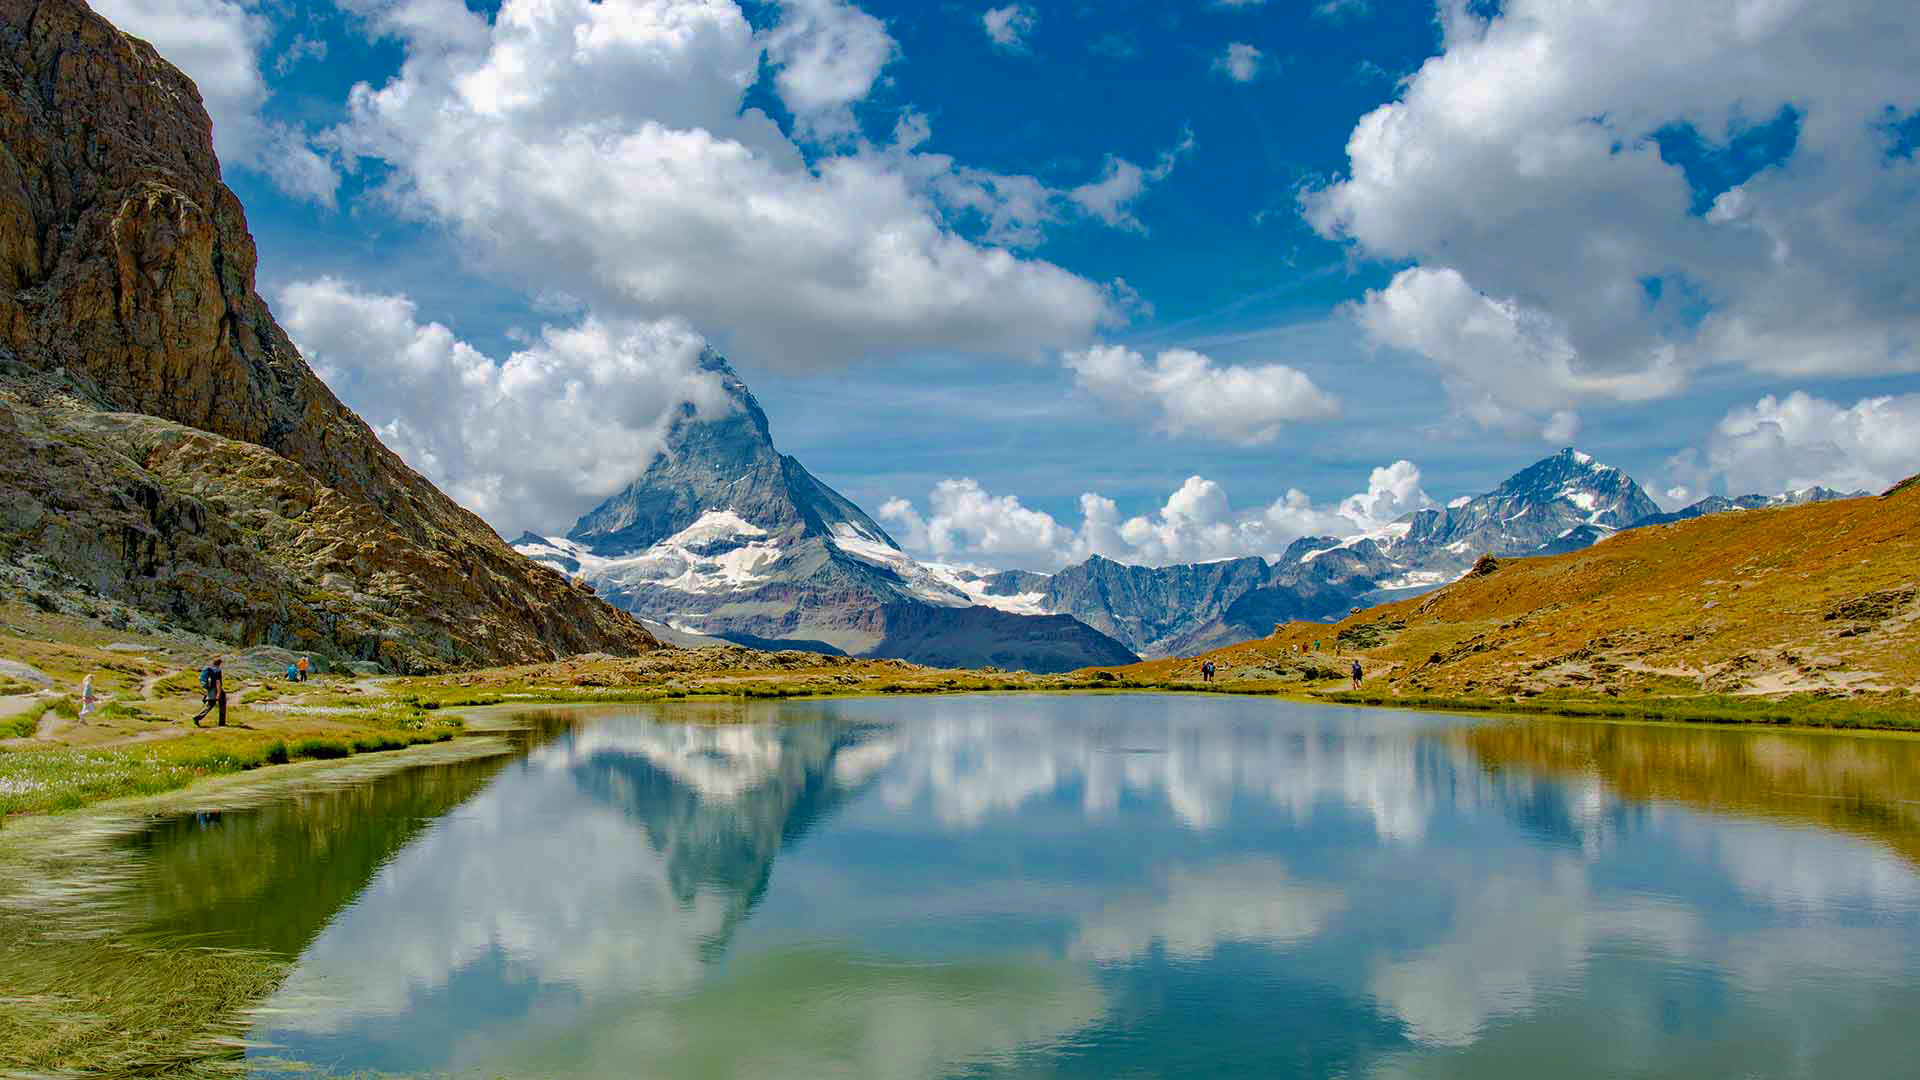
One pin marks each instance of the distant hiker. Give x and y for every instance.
(86, 696)
(1316, 644)
(1206, 671)
(293, 673)
(302, 665)
(213, 682)
(1356, 673)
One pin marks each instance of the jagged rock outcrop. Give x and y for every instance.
(163, 443)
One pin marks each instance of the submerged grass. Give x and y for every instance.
(102, 1008)
(85, 990)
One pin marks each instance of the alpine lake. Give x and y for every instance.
(1097, 885)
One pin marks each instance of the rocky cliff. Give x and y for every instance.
(163, 444)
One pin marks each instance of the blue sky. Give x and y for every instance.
(1062, 249)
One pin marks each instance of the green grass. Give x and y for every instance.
(1802, 710)
(21, 726)
(10, 686)
(54, 780)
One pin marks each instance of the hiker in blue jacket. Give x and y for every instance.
(213, 682)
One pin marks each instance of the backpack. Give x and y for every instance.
(207, 676)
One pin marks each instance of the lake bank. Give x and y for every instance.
(58, 775)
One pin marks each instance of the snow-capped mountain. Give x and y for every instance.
(1563, 502)
(723, 535)
(1721, 504)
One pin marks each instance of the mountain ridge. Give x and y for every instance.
(164, 448)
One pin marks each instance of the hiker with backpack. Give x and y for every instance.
(1206, 671)
(213, 682)
(1356, 673)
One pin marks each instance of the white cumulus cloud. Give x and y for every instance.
(1241, 61)
(965, 520)
(1784, 443)
(1503, 363)
(1560, 257)
(965, 523)
(527, 442)
(1191, 395)
(602, 151)
(1008, 27)
(218, 44)
(828, 54)
(1111, 197)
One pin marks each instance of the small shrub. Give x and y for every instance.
(373, 744)
(277, 753)
(319, 749)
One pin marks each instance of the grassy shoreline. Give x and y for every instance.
(61, 778)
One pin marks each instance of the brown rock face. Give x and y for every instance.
(240, 496)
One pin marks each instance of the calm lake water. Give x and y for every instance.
(1086, 886)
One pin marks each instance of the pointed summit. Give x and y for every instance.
(724, 464)
(1603, 495)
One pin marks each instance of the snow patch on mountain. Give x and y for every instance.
(1585, 500)
(916, 579)
(975, 587)
(719, 552)
(1417, 579)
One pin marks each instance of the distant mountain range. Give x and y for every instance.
(1558, 504)
(724, 536)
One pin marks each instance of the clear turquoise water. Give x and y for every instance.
(1091, 886)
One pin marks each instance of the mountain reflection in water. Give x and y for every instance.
(1096, 886)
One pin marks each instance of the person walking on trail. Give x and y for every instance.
(87, 700)
(214, 682)
(302, 666)
(1206, 671)
(1356, 673)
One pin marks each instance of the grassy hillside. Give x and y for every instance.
(1814, 603)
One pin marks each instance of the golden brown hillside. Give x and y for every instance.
(1820, 598)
